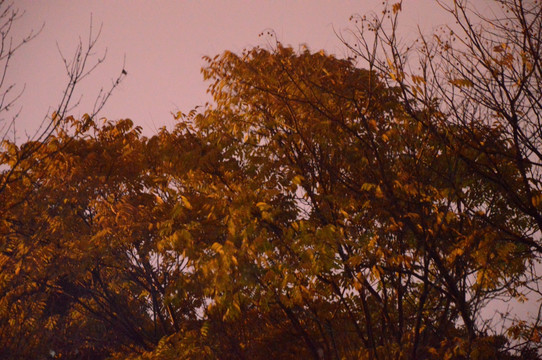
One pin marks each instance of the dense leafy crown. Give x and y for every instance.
(312, 210)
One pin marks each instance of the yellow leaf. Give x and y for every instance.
(186, 203)
(217, 248)
(355, 260)
(378, 192)
(263, 206)
(298, 179)
(461, 82)
(536, 199)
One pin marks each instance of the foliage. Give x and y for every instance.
(316, 209)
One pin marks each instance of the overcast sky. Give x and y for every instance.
(163, 43)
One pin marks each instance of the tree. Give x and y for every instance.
(315, 209)
(306, 205)
(82, 272)
(481, 71)
(20, 327)
(8, 47)
(79, 67)
(357, 223)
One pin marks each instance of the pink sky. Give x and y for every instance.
(164, 42)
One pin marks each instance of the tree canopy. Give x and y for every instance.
(315, 209)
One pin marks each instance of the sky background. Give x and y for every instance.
(163, 43)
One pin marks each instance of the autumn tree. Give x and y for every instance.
(23, 325)
(482, 70)
(82, 271)
(315, 209)
(81, 65)
(345, 215)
